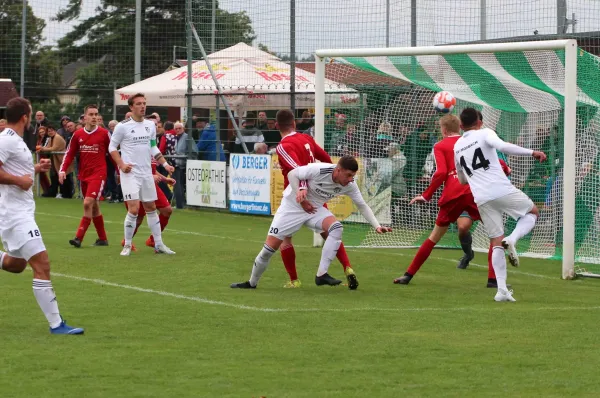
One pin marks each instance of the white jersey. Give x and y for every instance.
(135, 139)
(476, 158)
(15, 204)
(322, 188)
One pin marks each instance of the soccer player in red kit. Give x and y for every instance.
(455, 199)
(162, 205)
(91, 143)
(295, 150)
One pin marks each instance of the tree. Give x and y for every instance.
(41, 68)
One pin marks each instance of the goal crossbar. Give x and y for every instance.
(570, 104)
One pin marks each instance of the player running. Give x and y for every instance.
(293, 151)
(325, 181)
(91, 144)
(477, 164)
(20, 234)
(137, 138)
(162, 205)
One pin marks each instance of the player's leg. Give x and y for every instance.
(521, 208)
(341, 255)
(97, 217)
(261, 262)
(464, 224)
(492, 217)
(164, 213)
(334, 230)
(86, 219)
(12, 264)
(131, 193)
(148, 196)
(288, 256)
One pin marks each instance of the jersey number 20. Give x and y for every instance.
(479, 161)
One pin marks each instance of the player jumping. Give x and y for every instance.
(137, 138)
(20, 234)
(91, 144)
(324, 181)
(295, 150)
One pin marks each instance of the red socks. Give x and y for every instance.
(343, 256)
(99, 224)
(421, 256)
(491, 273)
(83, 226)
(288, 255)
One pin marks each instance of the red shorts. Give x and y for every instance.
(161, 202)
(451, 211)
(92, 189)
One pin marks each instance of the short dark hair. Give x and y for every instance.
(285, 118)
(348, 162)
(133, 97)
(16, 108)
(169, 125)
(480, 115)
(92, 106)
(202, 119)
(468, 117)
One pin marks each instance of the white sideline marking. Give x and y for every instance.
(263, 309)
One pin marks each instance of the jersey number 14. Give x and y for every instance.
(479, 161)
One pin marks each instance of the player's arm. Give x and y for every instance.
(505, 168)
(462, 177)
(365, 210)
(438, 178)
(158, 156)
(288, 160)
(302, 174)
(113, 148)
(24, 182)
(492, 139)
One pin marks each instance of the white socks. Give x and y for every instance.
(154, 225)
(44, 294)
(499, 264)
(261, 263)
(2, 254)
(523, 227)
(130, 221)
(331, 246)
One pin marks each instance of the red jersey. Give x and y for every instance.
(297, 149)
(445, 173)
(92, 147)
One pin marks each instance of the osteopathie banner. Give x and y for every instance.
(250, 184)
(206, 183)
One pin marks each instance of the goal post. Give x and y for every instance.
(431, 78)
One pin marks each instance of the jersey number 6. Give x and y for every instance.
(479, 161)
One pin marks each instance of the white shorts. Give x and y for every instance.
(23, 240)
(138, 188)
(515, 204)
(289, 220)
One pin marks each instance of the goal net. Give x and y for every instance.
(521, 94)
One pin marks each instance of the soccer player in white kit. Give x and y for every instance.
(137, 138)
(477, 164)
(21, 237)
(325, 181)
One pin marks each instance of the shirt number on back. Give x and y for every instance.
(479, 161)
(310, 154)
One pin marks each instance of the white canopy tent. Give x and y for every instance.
(249, 79)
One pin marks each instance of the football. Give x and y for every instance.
(444, 102)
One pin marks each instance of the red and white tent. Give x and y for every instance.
(249, 78)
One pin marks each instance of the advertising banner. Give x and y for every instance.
(206, 183)
(250, 184)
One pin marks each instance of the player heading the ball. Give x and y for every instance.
(324, 181)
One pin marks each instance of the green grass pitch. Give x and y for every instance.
(170, 326)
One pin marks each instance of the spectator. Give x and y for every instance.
(112, 192)
(111, 125)
(271, 125)
(262, 121)
(55, 143)
(69, 130)
(182, 148)
(334, 133)
(305, 123)
(156, 116)
(208, 146)
(41, 142)
(128, 115)
(62, 131)
(250, 135)
(260, 148)
(40, 120)
(398, 182)
(200, 124)
(2, 125)
(100, 120)
(271, 135)
(168, 141)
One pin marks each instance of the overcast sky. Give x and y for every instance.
(361, 23)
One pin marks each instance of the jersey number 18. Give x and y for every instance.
(479, 161)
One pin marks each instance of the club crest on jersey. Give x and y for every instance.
(147, 129)
(132, 131)
(337, 189)
(81, 140)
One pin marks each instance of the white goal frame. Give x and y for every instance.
(570, 98)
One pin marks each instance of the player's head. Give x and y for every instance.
(450, 125)
(480, 116)
(137, 105)
(345, 170)
(18, 113)
(285, 121)
(469, 119)
(90, 115)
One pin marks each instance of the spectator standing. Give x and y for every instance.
(208, 146)
(55, 148)
(250, 134)
(41, 142)
(262, 121)
(182, 148)
(305, 123)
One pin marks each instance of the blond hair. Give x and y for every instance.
(451, 123)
